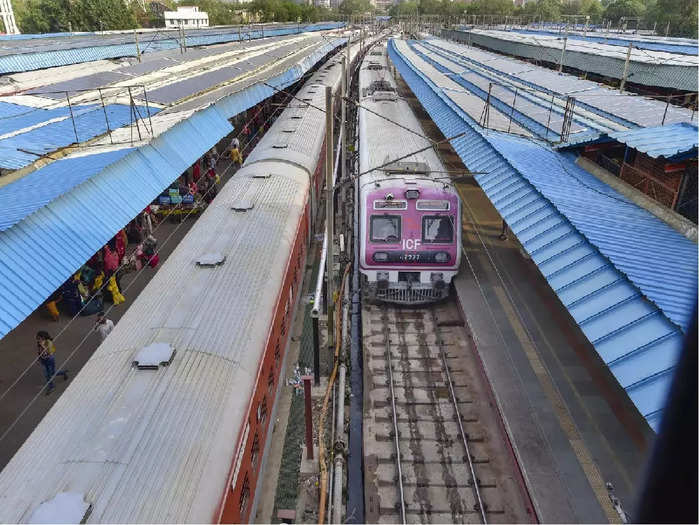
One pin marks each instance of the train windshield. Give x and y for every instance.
(437, 229)
(385, 228)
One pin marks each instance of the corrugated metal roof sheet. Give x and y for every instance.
(26, 116)
(669, 45)
(624, 108)
(74, 226)
(534, 115)
(595, 248)
(89, 122)
(662, 141)
(78, 223)
(9, 110)
(675, 71)
(63, 51)
(37, 189)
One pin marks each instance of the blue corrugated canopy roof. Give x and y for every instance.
(89, 122)
(37, 189)
(100, 193)
(75, 225)
(66, 52)
(661, 141)
(603, 256)
(20, 117)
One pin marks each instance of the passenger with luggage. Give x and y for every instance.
(46, 350)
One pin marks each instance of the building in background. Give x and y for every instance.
(188, 17)
(384, 4)
(7, 15)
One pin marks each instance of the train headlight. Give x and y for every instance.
(380, 256)
(412, 194)
(441, 257)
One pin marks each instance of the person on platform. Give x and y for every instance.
(236, 156)
(46, 350)
(103, 326)
(212, 157)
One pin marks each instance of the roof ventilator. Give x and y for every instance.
(381, 90)
(153, 356)
(243, 205)
(261, 175)
(64, 507)
(211, 259)
(397, 168)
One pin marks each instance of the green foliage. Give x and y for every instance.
(356, 7)
(624, 8)
(96, 15)
(48, 16)
(408, 7)
(680, 14)
(491, 7)
(591, 8)
(219, 12)
(286, 11)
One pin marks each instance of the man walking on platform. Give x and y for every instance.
(46, 350)
(103, 326)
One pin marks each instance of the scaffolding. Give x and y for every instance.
(8, 17)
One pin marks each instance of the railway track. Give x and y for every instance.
(430, 425)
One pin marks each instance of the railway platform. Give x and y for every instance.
(571, 426)
(20, 380)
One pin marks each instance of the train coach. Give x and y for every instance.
(169, 420)
(409, 212)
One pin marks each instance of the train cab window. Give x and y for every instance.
(437, 229)
(385, 228)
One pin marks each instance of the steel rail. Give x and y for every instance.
(395, 429)
(464, 437)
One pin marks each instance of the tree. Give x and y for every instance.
(408, 7)
(624, 8)
(43, 16)
(97, 15)
(593, 9)
(548, 9)
(490, 7)
(680, 14)
(355, 7)
(219, 13)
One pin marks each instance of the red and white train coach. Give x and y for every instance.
(169, 419)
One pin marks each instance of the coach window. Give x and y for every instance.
(437, 229)
(385, 228)
(262, 410)
(255, 451)
(244, 495)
